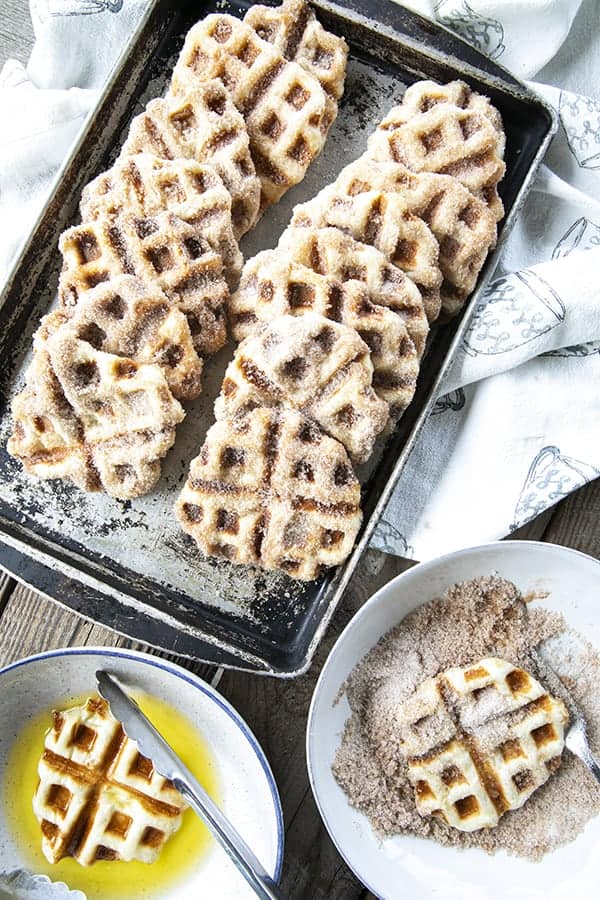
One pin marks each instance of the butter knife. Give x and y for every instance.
(165, 760)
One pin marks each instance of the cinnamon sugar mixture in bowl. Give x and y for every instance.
(475, 619)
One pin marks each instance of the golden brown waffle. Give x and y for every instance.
(104, 421)
(144, 185)
(447, 140)
(478, 741)
(284, 107)
(331, 252)
(270, 489)
(203, 125)
(160, 249)
(461, 223)
(128, 317)
(274, 285)
(296, 32)
(319, 367)
(98, 798)
(382, 220)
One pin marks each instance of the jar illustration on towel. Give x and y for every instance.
(551, 477)
(582, 235)
(515, 310)
(580, 117)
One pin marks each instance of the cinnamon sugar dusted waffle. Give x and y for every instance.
(273, 285)
(309, 363)
(270, 489)
(286, 110)
(145, 185)
(162, 249)
(203, 125)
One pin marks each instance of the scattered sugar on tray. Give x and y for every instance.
(483, 617)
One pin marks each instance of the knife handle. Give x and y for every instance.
(231, 841)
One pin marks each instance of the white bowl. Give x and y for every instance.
(410, 867)
(248, 794)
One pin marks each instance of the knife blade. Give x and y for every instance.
(152, 744)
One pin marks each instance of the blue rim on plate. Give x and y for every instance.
(201, 686)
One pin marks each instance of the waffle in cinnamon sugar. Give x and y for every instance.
(285, 108)
(382, 220)
(144, 185)
(160, 249)
(98, 798)
(478, 741)
(448, 140)
(296, 32)
(309, 363)
(130, 317)
(274, 285)
(100, 420)
(271, 489)
(202, 124)
(462, 223)
(331, 252)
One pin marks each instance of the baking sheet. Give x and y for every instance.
(135, 569)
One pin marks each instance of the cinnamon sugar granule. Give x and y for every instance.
(483, 617)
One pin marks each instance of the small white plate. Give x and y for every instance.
(248, 793)
(410, 867)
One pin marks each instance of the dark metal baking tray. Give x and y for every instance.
(126, 565)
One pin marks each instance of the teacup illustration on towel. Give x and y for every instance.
(583, 234)
(515, 310)
(551, 477)
(580, 117)
(483, 32)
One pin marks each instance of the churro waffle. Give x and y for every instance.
(309, 363)
(382, 220)
(274, 285)
(101, 420)
(284, 106)
(331, 252)
(204, 125)
(296, 32)
(447, 140)
(144, 185)
(478, 741)
(128, 317)
(461, 223)
(423, 95)
(161, 249)
(98, 798)
(271, 489)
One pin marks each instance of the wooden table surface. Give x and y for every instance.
(275, 710)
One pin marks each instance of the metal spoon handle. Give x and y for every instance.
(231, 841)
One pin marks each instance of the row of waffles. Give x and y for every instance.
(333, 324)
(146, 276)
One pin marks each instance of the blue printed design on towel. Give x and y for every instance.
(507, 318)
(483, 32)
(393, 541)
(580, 117)
(581, 235)
(551, 477)
(455, 400)
(82, 7)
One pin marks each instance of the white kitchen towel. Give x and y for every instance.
(517, 426)
(44, 105)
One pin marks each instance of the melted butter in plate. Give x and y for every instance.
(183, 853)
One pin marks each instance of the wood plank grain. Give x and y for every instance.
(16, 31)
(576, 522)
(31, 624)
